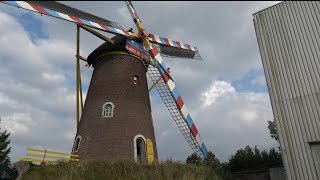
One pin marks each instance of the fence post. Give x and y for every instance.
(43, 163)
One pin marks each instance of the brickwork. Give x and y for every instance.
(112, 138)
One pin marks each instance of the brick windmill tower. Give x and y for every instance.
(116, 121)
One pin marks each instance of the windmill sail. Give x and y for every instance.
(174, 49)
(174, 52)
(61, 11)
(168, 91)
(171, 98)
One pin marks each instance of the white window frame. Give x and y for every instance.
(103, 110)
(75, 141)
(135, 145)
(136, 81)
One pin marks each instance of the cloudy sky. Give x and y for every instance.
(226, 93)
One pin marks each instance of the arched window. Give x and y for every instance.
(140, 148)
(135, 79)
(107, 110)
(77, 144)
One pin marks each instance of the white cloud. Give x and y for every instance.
(4, 100)
(236, 119)
(217, 89)
(18, 123)
(37, 89)
(228, 121)
(49, 77)
(35, 99)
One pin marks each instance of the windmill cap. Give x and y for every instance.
(118, 45)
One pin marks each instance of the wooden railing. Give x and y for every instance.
(48, 156)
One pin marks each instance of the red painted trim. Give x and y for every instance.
(165, 77)
(167, 41)
(179, 102)
(104, 27)
(76, 19)
(179, 45)
(153, 52)
(152, 38)
(194, 130)
(136, 51)
(40, 9)
(127, 33)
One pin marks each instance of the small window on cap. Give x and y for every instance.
(135, 79)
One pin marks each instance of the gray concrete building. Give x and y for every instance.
(288, 35)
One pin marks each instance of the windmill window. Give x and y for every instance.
(77, 144)
(141, 154)
(135, 79)
(107, 110)
(140, 148)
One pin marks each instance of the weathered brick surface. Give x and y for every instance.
(112, 138)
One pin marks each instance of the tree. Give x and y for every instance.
(4, 149)
(273, 131)
(274, 158)
(211, 160)
(242, 159)
(214, 163)
(194, 159)
(252, 158)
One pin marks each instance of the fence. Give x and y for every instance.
(46, 156)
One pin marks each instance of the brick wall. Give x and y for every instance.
(112, 138)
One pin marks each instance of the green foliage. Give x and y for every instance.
(194, 159)
(251, 158)
(273, 130)
(4, 149)
(212, 162)
(8, 173)
(120, 170)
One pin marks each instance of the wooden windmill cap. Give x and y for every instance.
(119, 45)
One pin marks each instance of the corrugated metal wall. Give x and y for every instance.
(288, 35)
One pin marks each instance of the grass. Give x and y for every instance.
(120, 170)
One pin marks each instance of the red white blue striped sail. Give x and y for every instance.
(180, 105)
(35, 6)
(64, 12)
(170, 42)
(179, 110)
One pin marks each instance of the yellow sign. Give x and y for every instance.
(150, 153)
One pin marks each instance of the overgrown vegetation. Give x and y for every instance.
(4, 147)
(211, 162)
(120, 170)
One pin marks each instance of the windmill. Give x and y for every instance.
(116, 119)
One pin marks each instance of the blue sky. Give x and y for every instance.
(225, 93)
(248, 83)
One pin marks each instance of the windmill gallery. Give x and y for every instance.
(115, 121)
